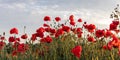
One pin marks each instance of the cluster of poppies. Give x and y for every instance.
(46, 33)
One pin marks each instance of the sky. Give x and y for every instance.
(30, 13)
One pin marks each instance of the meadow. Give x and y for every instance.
(63, 41)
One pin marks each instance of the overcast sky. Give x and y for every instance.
(30, 13)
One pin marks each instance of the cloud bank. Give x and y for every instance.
(30, 13)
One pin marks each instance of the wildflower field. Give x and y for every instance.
(64, 41)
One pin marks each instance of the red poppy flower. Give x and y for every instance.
(77, 51)
(71, 18)
(33, 38)
(100, 33)
(91, 39)
(48, 39)
(47, 29)
(117, 31)
(115, 38)
(15, 44)
(46, 25)
(108, 33)
(104, 47)
(41, 35)
(91, 27)
(74, 30)
(14, 31)
(14, 53)
(116, 22)
(66, 28)
(113, 26)
(79, 30)
(40, 30)
(17, 39)
(53, 31)
(109, 45)
(24, 36)
(72, 23)
(47, 18)
(59, 32)
(57, 19)
(11, 39)
(79, 20)
(1, 45)
(22, 48)
(79, 35)
(2, 38)
(85, 26)
(42, 40)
